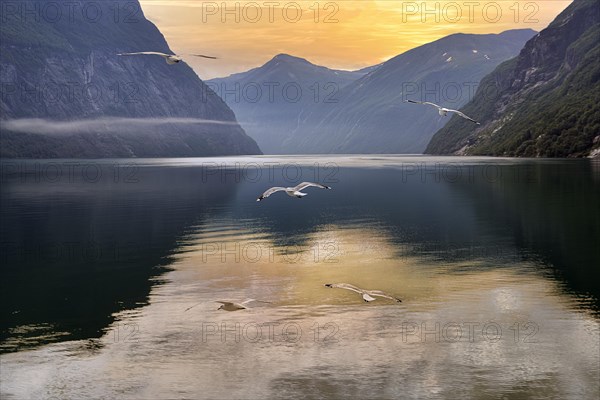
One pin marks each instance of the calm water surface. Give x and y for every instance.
(497, 263)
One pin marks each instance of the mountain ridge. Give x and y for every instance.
(269, 100)
(68, 70)
(546, 101)
(370, 116)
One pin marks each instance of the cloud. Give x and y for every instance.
(108, 124)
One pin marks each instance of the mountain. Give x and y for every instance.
(370, 116)
(546, 101)
(270, 100)
(66, 93)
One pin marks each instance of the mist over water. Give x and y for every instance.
(495, 261)
(93, 125)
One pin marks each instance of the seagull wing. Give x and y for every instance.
(367, 295)
(304, 185)
(270, 192)
(423, 102)
(379, 293)
(151, 53)
(346, 286)
(255, 301)
(464, 116)
(204, 56)
(231, 304)
(431, 104)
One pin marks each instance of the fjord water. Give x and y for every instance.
(495, 260)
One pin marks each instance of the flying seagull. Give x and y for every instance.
(292, 191)
(169, 58)
(442, 110)
(367, 295)
(231, 305)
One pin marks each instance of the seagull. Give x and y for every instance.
(442, 110)
(231, 305)
(366, 294)
(169, 58)
(292, 191)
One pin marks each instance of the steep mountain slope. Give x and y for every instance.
(270, 100)
(66, 93)
(371, 117)
(546, 101)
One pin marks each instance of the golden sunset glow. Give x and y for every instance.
(339, 34)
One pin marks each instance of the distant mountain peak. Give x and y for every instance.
(289, 58)
(510, 33)
(518, 32)
(522, 30)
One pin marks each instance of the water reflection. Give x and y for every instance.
(496, 277)
(482, 333)
(76, 248)
(552, 214)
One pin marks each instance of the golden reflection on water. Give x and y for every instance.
(250, 264)
(344, 346)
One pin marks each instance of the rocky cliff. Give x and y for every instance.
(66, 92)
(543, 103)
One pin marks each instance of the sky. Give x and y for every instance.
(345, 35)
